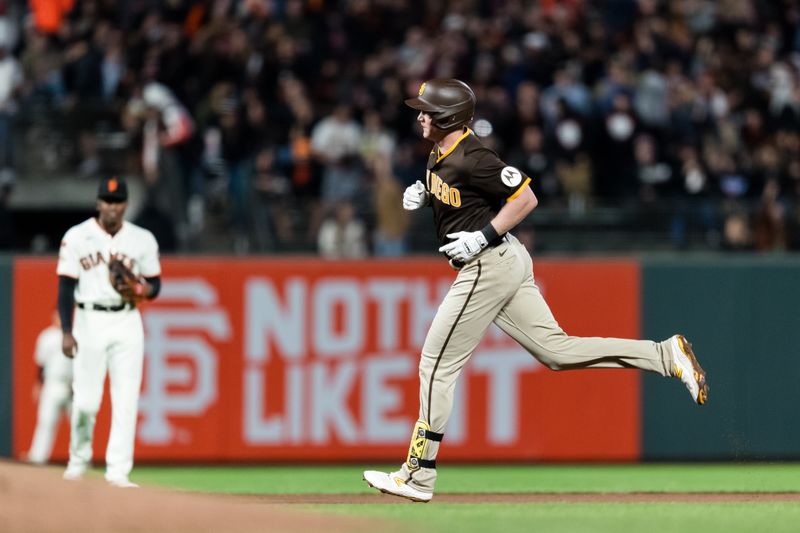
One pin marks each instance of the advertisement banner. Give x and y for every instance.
(301, 359)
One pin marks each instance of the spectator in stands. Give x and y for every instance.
(526, 109)
(736, 234)
(377, 142)
(389, 238)
(9, 26)
(574, 176)
(616, 158)
(654, 175)
(335, 143)
(272, 226)
(81, 68)
(113, 67)
(166, 130)
(720, 80)
(158, 223)
(49, 14)
(230, 136)
(530, 154)
(793, 225)
(567, 92)
(770, 220)
(407, 166)
(7, 229)
(41, 67)
(10, 85)
(343, 235)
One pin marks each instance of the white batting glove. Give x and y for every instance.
(467, 244)
(415, 196)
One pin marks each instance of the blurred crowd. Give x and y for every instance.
(282, 120)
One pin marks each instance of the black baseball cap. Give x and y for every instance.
(113, 189)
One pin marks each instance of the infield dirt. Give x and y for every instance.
(37, 499)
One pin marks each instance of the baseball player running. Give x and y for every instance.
(55, 390)
(106, 266)
(476, 201)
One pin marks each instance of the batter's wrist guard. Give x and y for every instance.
(419, 445)
(490, 233)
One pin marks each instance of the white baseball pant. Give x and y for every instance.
(114, 342)
(54, 398)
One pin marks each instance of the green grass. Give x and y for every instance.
(585, 517)
(502, 517)
(744, 477)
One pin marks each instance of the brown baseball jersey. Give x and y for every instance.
(468, 185)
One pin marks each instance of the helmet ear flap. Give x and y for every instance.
(438, 121)
(452, 121)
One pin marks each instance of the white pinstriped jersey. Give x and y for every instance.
(87, 248)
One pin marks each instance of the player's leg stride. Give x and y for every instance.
(686, 368)
(395, 485)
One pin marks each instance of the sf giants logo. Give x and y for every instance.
(442, 191)
(177, 352)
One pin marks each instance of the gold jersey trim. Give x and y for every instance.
(519, 191)
(450, 150)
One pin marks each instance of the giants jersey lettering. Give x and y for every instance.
(468, 185)
(87, 248)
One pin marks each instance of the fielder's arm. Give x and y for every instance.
(152, 287)
(66, 307)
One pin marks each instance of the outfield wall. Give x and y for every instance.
(744, 318)
(298, 359)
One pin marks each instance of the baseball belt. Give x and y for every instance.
(99, 307)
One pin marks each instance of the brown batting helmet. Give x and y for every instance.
(449, 102)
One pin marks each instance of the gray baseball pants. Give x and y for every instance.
(498, 286)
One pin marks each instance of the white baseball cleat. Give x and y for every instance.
(688, 370)
(73, 473)
(391, 484)
(122, 483)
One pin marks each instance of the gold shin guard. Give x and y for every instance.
(419, 445)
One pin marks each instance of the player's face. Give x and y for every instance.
(428, 131)
(111, 213)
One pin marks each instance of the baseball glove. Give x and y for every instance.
(130, 286)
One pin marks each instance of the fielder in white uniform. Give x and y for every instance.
(107, 334)
(55, 392)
